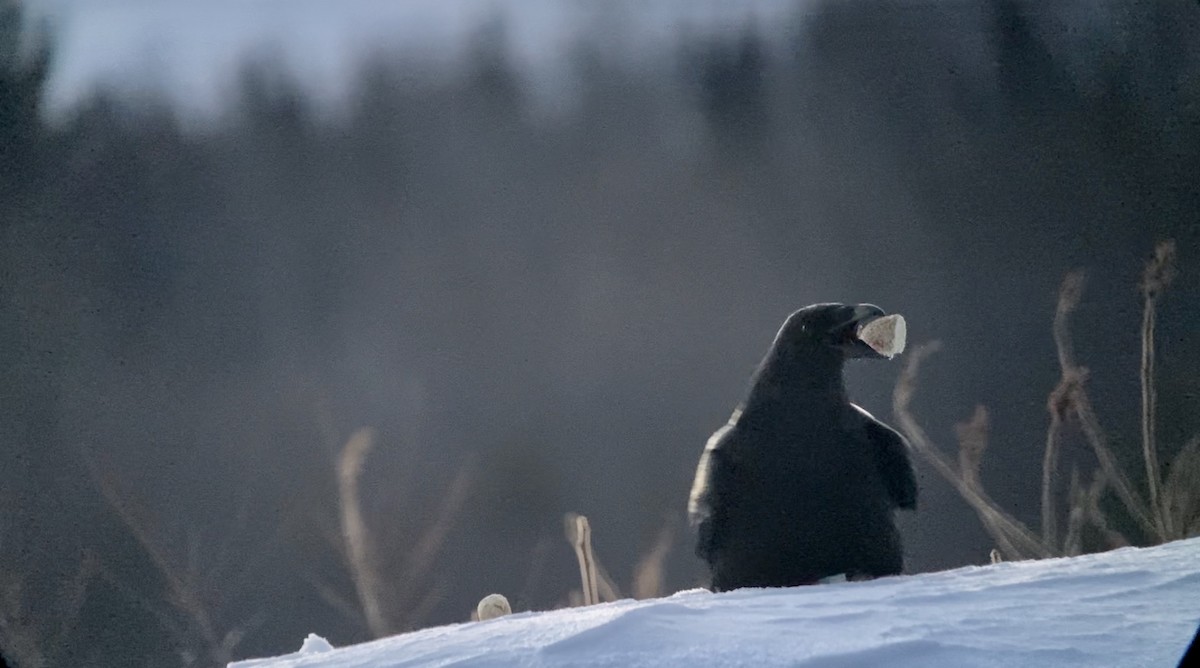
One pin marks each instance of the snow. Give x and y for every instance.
(1128, 607)
(315, 644)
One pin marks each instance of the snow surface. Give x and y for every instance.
(1129, 607)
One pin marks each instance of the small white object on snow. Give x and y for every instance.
(493, 606)
(315, 644)
(886, 335)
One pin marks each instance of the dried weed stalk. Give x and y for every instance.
(1171, 509)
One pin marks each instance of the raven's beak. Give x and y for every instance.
(876, 334)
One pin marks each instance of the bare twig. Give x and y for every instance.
(355, 534)
(181, 592)
(334, 599)
(165, 619)
(17, 632)
(235, 636)
(972, 442)
(1181, 491)
(537, 564)
(431, 541)
(1160, 270)
(329, 529)
(1075, 397)
(579, 533)
(223, 555)
(75, 595)
(33, 633)
(1173, 508)
(648, 574)
(416, 595)
(1090, 426)
(1057, 406)
(1077, 515)
(1069, 295)
(606, 587)
(598, 586)
(385, 609)
(1089, 507)
(236, 575)
(421, 609)
(1059, 401)
(1012, 537)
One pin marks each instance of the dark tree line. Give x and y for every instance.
(539, 310)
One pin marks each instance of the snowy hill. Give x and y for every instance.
(1130, 607)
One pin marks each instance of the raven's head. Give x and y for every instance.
(851, 330)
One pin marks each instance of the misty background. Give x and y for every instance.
(539, 255)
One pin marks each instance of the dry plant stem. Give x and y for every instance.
(1068, 299)
(1049, 471)
(1097, 516)
(180, 585)
(222, 552)
(1158, 275)
(1084, 507)
(424, 606)
(76, 596)
(972, 443)
(606, 588)
(355, 534)
(1181, 491)
(352, 537)
(537, 565)
(425, 553)
(579, 532)
(1013, 538)
(1149, 399)
(334, 599)
(1090, 425)
(17, 633)
(1077, 515)
(648, 574)
(235, 636)
(1075, 398)
(162, 613)
(29, 640)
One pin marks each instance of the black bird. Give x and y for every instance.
(801, 484)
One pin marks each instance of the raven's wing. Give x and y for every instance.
(891, 456)
(711, 487)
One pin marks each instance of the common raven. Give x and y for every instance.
(800, 484)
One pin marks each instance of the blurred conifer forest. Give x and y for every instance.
(541, 308)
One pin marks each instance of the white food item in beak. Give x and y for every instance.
(886, 335)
